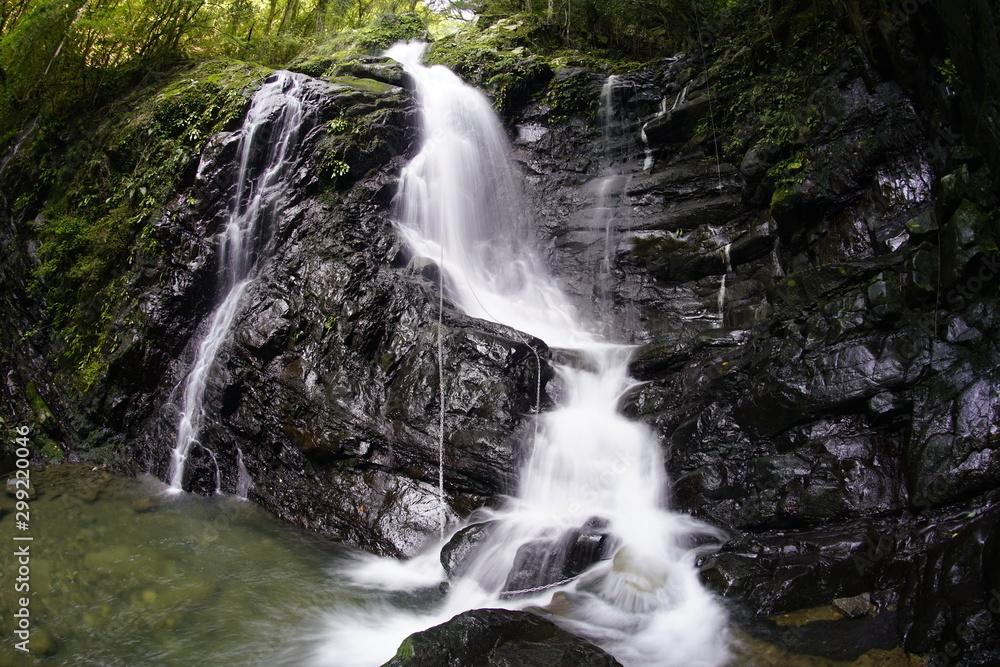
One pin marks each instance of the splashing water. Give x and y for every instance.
(721, 301)
(268, 148)
(592, 476)
(610, 213)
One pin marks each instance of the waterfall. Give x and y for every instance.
(610, 211)
(268, 152)
(722, 283)
(587, 530)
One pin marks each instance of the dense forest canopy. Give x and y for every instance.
(56, 55)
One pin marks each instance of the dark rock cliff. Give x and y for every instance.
(814, 306)
(817, 326)
(330, 386)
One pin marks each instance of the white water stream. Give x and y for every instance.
(589, 468)
(268, 153)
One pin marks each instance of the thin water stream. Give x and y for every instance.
(276, 124)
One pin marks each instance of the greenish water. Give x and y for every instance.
(122, 573)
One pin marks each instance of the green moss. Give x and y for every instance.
(42, 412)
(513, 58)
(509, 76)
(369, 85)
(571, 94)
(405, 649)
(386, 362)
(783, 194)
(388, 29)
(96, 228)
(763, 75)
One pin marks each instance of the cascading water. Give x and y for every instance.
(722, 283)
(587, 530)
(610, 211)
(274, 128)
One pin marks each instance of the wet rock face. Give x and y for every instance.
(498, 638)
(816, 338)
(328, 393)
(815, 349)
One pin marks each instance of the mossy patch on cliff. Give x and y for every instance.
(95, 228)
(764, 76)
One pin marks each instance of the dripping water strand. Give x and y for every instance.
(510, 594)
(441, 394)
(711, 110)
(218, 473)
(727, 263)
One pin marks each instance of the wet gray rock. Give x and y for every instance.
(328, 393)
(826, 394)
(455, 554)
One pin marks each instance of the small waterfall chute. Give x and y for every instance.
(586, 535)
(274, 128)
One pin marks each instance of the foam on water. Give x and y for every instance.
(460, 206)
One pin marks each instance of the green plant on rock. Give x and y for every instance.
(338, 168)
(762, 80)
(571, 96)
(791, 171)
(387, 29)
(949, 73)
(98, 218)
(338, 125)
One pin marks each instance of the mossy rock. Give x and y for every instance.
(388, 29)
(98, 221)
(315, 66)
(572, 92)
(368, 85)
(509, 77)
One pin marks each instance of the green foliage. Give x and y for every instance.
(490, 60)
(949, 73)
(97, 222)
(571, 96)
(639, 28)
(791, 171)
(60, 55)
(388, 29)
(59, 58)
(764, 76)
(337, 125)
(337, 168)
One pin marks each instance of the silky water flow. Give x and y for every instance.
(268, 149)
(592, 476)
